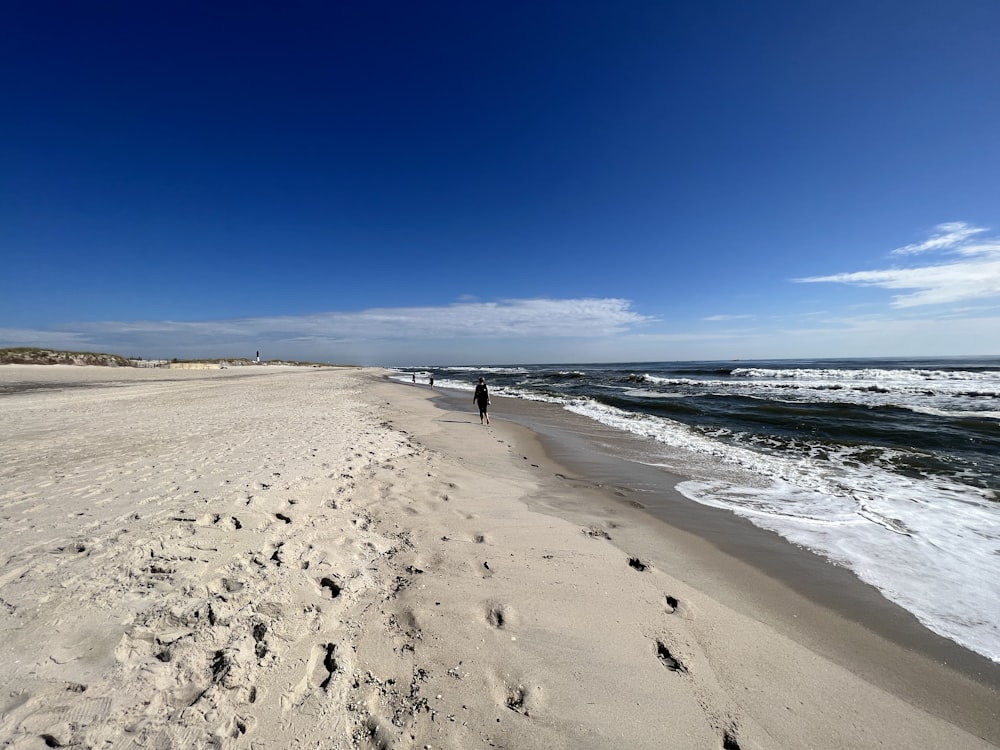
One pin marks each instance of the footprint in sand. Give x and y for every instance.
(232, 585)
(259, 632)
(331, 586)
(498, 615)
(320, 671)
(515, 699)
(668, 660)
(276, 554)
(729, 741)
(522, 699)
(637, 564)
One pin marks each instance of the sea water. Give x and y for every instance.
(888, 467)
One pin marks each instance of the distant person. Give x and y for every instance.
(431, 381)
(482, 399)
(414, 377)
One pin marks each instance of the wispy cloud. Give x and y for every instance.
(946, 236)
(509, 318)
(976, 275)
(514, 319)
(725, 318)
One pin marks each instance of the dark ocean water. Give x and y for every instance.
(889, 467)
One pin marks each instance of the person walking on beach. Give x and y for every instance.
(482, 398)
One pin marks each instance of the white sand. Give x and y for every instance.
(299, 558)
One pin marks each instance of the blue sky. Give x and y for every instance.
(456, 182)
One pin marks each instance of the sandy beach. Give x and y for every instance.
(282, 557)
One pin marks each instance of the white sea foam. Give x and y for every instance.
(869, 374)
(637, 393)
(490, 369)
(928, 543)
(423, 378)
(950, 393)
(956, 413)
(456, 385)
(932, 550)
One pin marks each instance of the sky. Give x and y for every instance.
(406, 183)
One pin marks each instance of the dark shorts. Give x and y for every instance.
(483, 403)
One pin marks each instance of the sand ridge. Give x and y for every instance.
(302, 558)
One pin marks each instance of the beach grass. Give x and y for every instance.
(30, 355)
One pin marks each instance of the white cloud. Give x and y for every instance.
(949, 235)
(375, 334)
(725, 318)
(975, 276)
(530, 318)
(509, 318)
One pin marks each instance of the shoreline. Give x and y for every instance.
(819, 605)
(598, 455)
(327, 558)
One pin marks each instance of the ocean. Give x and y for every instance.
(889, 467)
